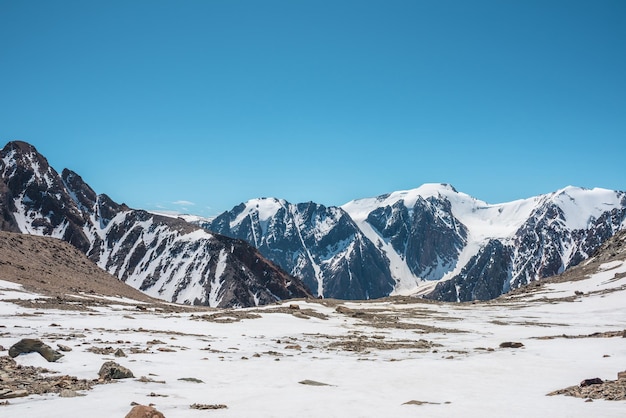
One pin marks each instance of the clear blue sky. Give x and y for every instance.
(215, 102)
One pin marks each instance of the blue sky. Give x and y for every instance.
(199, 105)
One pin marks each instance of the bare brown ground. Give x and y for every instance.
(56, 269)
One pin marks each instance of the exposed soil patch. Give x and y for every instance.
(419, 403)
(363, 343)
(607, 334)
(55, 268)
(201, 406)
(313, 383)
(232, 315)
(296, 311)
(383, 318)
(226, 316)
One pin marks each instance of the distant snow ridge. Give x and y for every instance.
(163, 256)
(431, 240)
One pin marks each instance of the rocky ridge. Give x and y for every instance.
(318, 243)
(164, 257)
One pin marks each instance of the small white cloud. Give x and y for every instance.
(183, 203)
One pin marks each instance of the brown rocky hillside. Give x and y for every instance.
(56, 268)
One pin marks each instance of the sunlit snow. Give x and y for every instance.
(255, 366)
(484, 221)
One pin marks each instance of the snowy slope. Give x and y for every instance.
(538, 237)
(398, 357)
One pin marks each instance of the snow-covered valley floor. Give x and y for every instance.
(391, 358)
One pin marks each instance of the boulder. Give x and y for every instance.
(510, 344)
(30, 345)
(143, 411)
(344, 310)
(111, 370)
(68, 393)
(119, 353)
(10, 394)
(590, 382)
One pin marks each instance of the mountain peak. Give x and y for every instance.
(581, 206)
(24, 154)
(167, 258)
(438, 187)
(360, 208)
(266, 207)
(21, 146)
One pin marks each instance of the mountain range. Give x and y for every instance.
(164, 257)
(433, 241)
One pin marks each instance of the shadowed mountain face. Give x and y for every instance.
(320, 244)
(426, 236)
(164, 257)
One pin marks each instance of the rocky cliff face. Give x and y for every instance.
(486, 276)
(320, 244)
(426, 235)
(165, 257)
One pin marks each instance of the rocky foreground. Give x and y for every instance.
(111, 353)
(596, 388)
(318, 358)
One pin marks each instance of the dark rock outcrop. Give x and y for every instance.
(511, 344)
(592, 381)
(485, 277)
(30, 345)
(110, 370)
(427, 235)
(596, 388)
(144, 411)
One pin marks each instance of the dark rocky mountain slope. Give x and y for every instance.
(320, 244)
(164, 257)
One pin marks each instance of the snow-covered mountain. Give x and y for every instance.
(163, 256)
(320, 244)
(431, 240)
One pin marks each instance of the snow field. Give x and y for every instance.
(250, 367)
